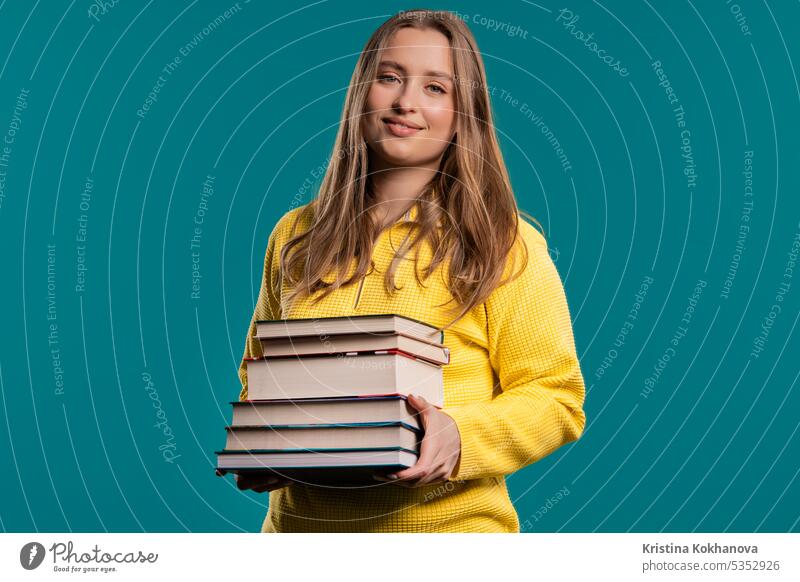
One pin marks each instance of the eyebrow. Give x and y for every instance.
(396, 65)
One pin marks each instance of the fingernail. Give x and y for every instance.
(392, 476)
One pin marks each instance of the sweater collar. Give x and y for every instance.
(411, 213)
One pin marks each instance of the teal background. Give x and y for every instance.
(711, 447)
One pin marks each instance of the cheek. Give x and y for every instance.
(367, 120)
(378, 99)
(441, 118)
(374, 107)
(370, 105)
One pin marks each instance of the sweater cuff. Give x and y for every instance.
(468, 465)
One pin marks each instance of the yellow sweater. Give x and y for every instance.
(513, 386)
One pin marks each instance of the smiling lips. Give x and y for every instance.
(401, 127)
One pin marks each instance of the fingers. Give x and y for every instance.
(415, 402)
(420, 405)
(383, 478)
(424, 475)
(419, 402)
(277, 484)
(260, 481)
(432, 478)
(425, 449)
(412, 484)
(424, 462)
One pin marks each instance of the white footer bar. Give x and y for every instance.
(401, 557)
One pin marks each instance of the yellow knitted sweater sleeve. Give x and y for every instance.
(531, 348)
(267, 306)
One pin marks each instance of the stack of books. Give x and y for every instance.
(327, 402)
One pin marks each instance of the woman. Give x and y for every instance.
(417, 167)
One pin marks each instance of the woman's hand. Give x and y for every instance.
(260, 481)
(439, 451)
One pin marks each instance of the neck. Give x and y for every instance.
(395, 188)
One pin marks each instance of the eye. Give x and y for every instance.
(385, 78)
(438, 89)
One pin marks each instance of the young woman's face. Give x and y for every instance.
(409, 118)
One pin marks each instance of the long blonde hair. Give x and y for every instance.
(470, 198)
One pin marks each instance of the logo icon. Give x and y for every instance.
(31, 555)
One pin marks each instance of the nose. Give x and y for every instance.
(406, 100)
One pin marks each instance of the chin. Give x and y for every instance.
(401, 155)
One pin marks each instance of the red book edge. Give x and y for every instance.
(359, 353)
(401, 395)
(363, 353)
